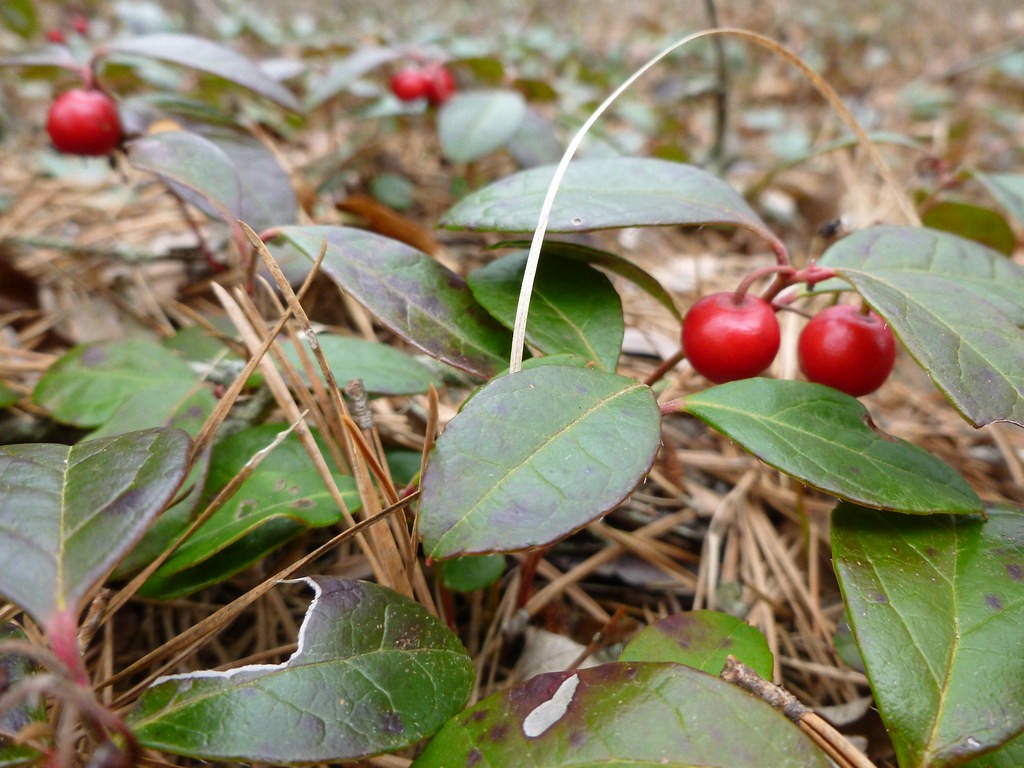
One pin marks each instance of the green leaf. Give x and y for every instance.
(195, 166)
(14, 669)
(1010, 755)
(534, 456)
(342, 74)
(610, 261)
(19, 16)
(284, 497)
(827, 440)
(267, 197)
(206, 56)
(410, 293)
(575, 309)
(1007, 189)
(535, 142)
(468, 574)
(983, 225)
(620, 715)
(383, 370)
(374, 672)
(68, 513)
(89, 385)
(936, 605)
(921, 281)
(472, 125)
(8, 396)
(605, 194)
(142, 411)
(702, 640)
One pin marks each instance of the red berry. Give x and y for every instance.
(84, 123)
(80, 24)
(440, 85)
(409, 84)
(726, 340)
(55, 35)
(847, 350)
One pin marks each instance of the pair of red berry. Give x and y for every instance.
(84, 122)
(433, 83)
(726, 339)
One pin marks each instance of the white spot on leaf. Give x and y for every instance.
(551, 711)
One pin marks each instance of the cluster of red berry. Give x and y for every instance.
(726, 338)
(432, 82)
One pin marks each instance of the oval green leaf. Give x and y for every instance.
(19, 16)
(1010, 755)
(574, 310)
(195, 164)
(620, 715)
(826, 439)
(206, 56)
(283, 497)
(89, 384)
(383, 370)
(374, 672)
(983, 225)
(471, 125)
(473, 572)
(412, 294)
(534, 456)
(605, 194)
(607, 260)
(702, 640)
(68, 513)
(936, 605)
(957, 306)
(267, 197)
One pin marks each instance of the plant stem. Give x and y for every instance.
(665, 367)
(716, 156)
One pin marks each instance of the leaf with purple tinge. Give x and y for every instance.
(606, 194)
(410, 293)
(936, 604)
(194, 165)
(534, 456)
(374, 672)
(702, 640)
(622, 715)
(920, 281)
(68, 513)
(206, 56)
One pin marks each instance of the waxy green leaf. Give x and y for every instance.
(605, 194)
(826, 439)
(534, 456)
(610, 261)
(574, 309)
(283, 497)
(973, 222)
(622, 715)
(957, 306)
(471, 125)
(343, 73)
(206, 56)
(702, 640)
(382, 369)
(467, 574)
(90, 383)
(68, 513)
(374, 672)
(936, 605)
(412, 294)
(195, 166)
